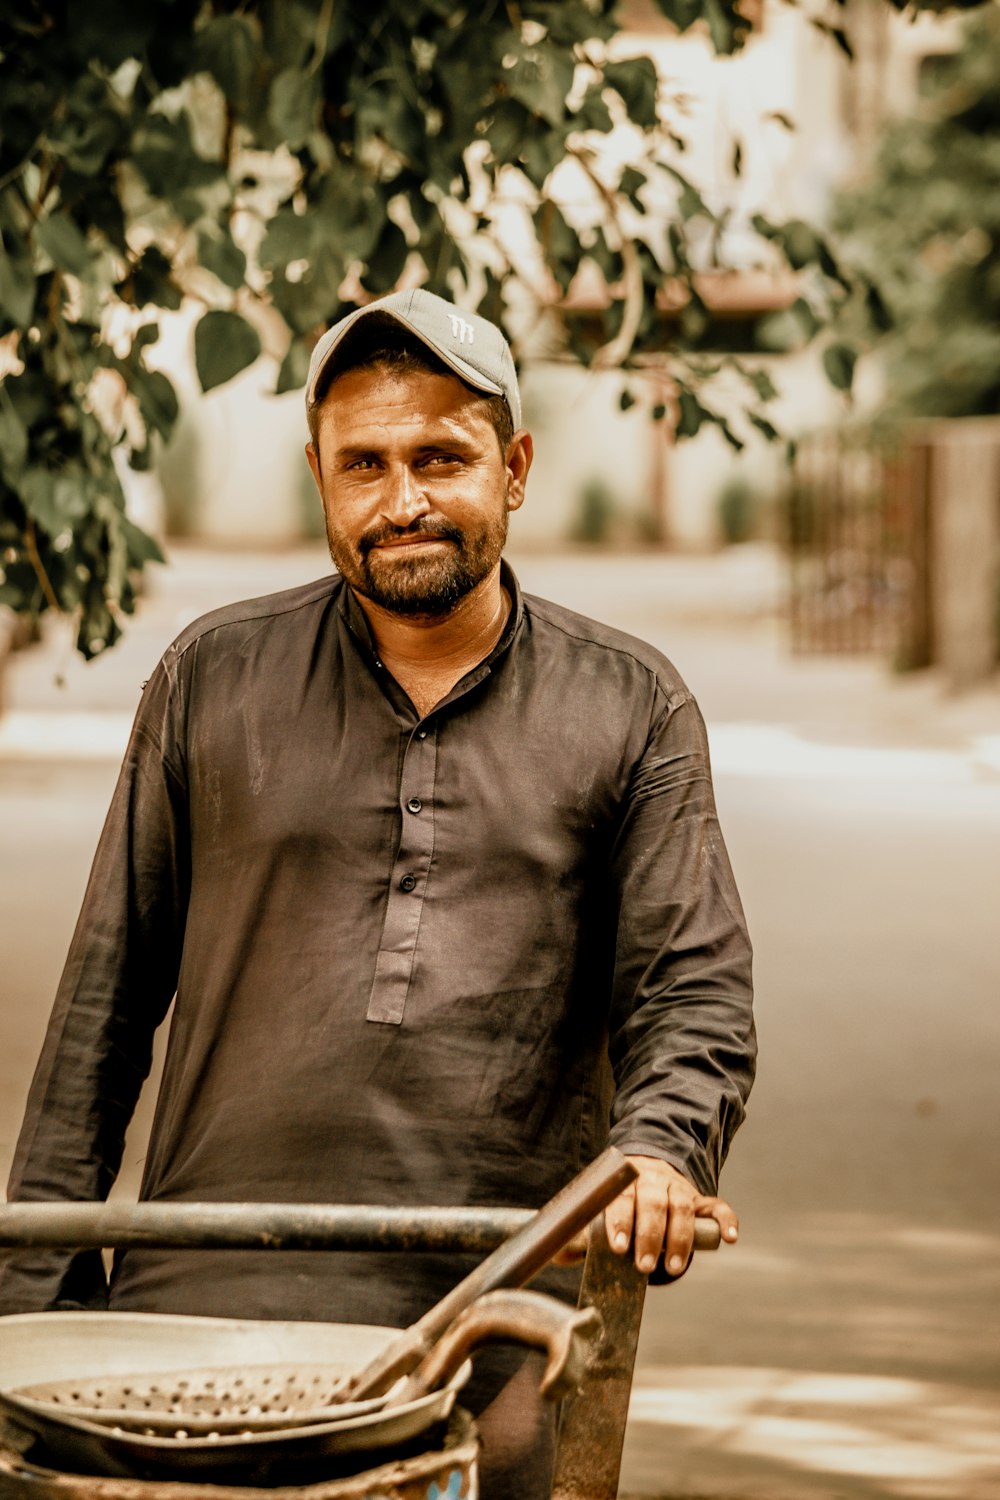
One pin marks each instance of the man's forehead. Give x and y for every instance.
(387, 401)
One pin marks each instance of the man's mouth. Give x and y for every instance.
(411, 541)
(403, 540)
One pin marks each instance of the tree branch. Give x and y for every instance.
(616, 351)
(34, 557)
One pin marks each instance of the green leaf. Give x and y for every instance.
(152, 281)
(558, 241)
(386, 262)
(224, 344)
(289, 236)
(727, 27)
(691, 202)
(724, 27)
(108, 32)
(293, 106)
(55, 501)
(145, 334)
(63, 243)
(13, 441)
(629, 183)
(765, 228)
(691, 414)
(778, 332)
(17, 288)
(140, 546)
(609, 260)
(801, 244)
(737, 444)
(878, 312)
(538, 157)
(806, 318)
(761, 383)
(98, 627)
(506, 129)
(593, 113)
(763, 426)
(164, 154)
(227, 48)
(636, 81)
(157, 400)
(294, 367)
(569, 22)
(386, 113)
(836, 34)
(88, 140)
(540, 78)
(839, 361)
(218, 254)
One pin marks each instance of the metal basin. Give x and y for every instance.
(219, 1370)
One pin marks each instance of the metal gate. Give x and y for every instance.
(857, 532)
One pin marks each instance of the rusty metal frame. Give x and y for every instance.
(255, 1226)
(269, 1226)
(592, 1423)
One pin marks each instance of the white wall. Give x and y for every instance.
(235, 470)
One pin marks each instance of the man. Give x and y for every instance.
(434, 870)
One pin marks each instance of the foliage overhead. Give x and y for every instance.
(281, 161)
(926, 224)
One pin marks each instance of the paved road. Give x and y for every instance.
(851, 1345)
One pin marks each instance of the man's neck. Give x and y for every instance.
(428, 654)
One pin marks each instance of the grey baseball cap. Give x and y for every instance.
(468, 344)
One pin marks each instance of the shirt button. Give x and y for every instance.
(414, 805)
(421, 734)
(407, 883)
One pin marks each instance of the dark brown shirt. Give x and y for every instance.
(416, 961)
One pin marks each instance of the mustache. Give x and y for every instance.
(438, 530)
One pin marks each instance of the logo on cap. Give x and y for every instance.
(461, 330)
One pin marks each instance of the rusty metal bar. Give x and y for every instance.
(592, 1424)
(268, 1226)
(251, 1226)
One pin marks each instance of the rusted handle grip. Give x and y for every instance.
(707, 1234)
(564, 1333)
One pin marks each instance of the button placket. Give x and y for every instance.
(408, 882)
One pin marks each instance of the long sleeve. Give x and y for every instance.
(682, 1041)
(116, 987)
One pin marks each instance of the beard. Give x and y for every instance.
(422, 584)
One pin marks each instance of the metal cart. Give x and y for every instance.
(592, 1421)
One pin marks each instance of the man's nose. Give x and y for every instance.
(403, 497)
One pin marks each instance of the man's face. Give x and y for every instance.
(415, 489)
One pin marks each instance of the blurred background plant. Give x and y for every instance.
(925, 227)
(277, 162)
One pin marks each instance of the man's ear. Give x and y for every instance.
(518, 462)
(313, 457)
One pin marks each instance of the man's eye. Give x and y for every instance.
(361, 463)
(443, 458)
